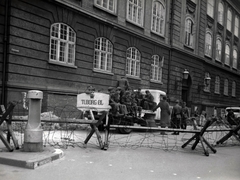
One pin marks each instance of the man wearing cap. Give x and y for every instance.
(148, 101)
(176, 117)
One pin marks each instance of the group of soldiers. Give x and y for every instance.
(130, 102)
(179, 116)
(125, 101)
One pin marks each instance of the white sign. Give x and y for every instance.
(96, 100)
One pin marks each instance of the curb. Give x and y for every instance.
(30, 160)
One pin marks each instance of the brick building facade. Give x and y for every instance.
(62, 46)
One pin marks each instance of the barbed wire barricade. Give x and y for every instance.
(59, 132)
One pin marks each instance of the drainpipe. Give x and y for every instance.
(170, 42)
(5, 43)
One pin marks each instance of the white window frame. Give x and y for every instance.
(189, 32)
(107, 5)
(233, 89)
(235, 58)
(208, 44)
(229, 19)
(135, 12)
(62, 44)
(236, 26)
(225, 90)
(227, 54)
(156, 68)
(218, 55)
(210, 7)
(103, 53)
(158, 17)
(217, 85)
(133, 62)
(220, 13)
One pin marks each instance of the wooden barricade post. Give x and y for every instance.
(99, 102)
(7, 116)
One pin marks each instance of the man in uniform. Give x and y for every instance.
(176, 117)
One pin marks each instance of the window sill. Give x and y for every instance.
(188, 47)
(208, 56)
(134, 23)
(155, 81)
(62, 64)
(102, 71)
(158, 34)
(133, 77)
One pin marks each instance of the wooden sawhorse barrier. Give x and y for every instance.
(199, 137)
(94, 129)
(232, 132)
(7, 116)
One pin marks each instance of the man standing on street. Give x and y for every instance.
(176, 117)
(165, 113)
(185, 116)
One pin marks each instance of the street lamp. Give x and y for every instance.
(185, 74)
(207, 80)
(185, 77)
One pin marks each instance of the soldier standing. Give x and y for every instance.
(176, 117)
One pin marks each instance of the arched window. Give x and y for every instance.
(227, 54)
(158, 17)
(225, 90)
(220, 12)
(236, 26)
(217, 85)
(133, 62)
(62, 44)
(208, 44)
(218, 49)
(229, 20)
(156, 68)
(189, 32)
(103, 49)
(235, 59)
(234, 89)
(210, 7)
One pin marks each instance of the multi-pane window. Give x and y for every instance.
(218, 49)
(103, 49)
(156, 68)
(158, 17)
(225, 90)
(135, 11)
(210, 7)
(108, 5)
(234, 65)
(217, 85)
(227, 54)
(229, 20)
(133, 62)
(189, 32)
(62, 44)
(220, 12)
(208, 44)
(234, 89)
(236, 26)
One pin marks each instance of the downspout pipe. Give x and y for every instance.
(170, 42)
(5, 44)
